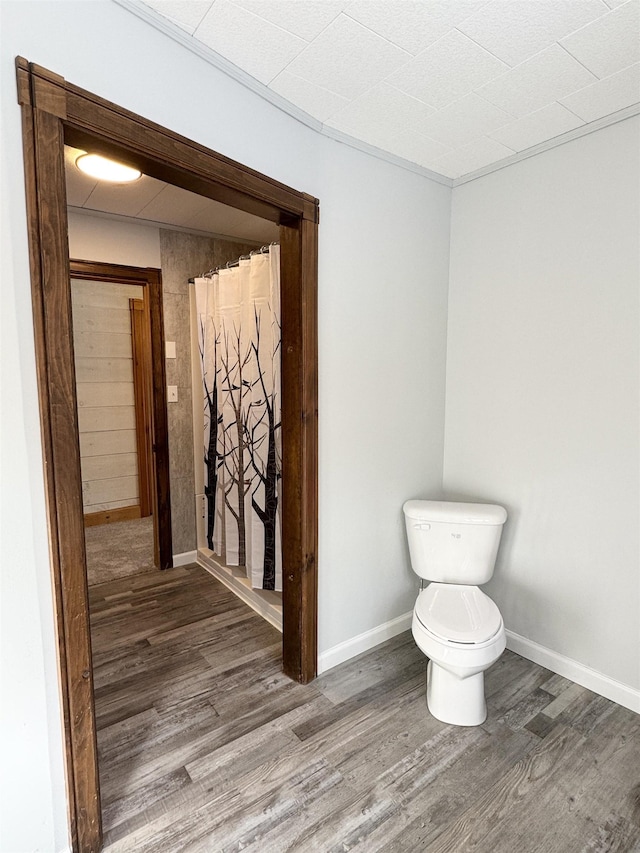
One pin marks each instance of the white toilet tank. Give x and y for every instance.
(453, 542)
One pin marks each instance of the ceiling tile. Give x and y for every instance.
(318, 102)
(449, 69)
(382, 105)
(613, 3)
(217, 218)
(255, 45)
(414, 25)
(376, 132)
(173, 205)
(347, 58)
(537, 127)
(606, 96)
(304, 19)
(127, 199)
(546, 77)
(185, 13)
(417, 148)
(609, 44)
(516, 31)
(79, 185)
(475, 155)
(464, 120)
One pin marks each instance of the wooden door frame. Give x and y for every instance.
(55, 112)
(151, 280)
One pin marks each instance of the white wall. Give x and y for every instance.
(542, 391)
(382, 311)
(109, 241)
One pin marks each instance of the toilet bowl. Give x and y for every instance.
(461, 632)
(459, 628)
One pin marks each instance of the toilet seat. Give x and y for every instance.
(457, 614)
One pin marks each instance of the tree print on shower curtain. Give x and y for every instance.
(239, 330)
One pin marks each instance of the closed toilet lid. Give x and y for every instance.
(462, 614)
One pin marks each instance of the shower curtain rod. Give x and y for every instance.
(230, 264)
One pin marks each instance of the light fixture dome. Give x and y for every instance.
(105, 169)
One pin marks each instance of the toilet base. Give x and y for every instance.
(453, 700)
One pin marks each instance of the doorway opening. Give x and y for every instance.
(122, 423)
(55, 112)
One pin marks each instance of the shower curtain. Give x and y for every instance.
(238, 311)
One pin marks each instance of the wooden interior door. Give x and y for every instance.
(142, 394)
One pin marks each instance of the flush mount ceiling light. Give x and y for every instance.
(106, 170)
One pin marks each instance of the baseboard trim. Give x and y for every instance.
(108, 516)
(583, 675)
(185, 558)
(363, 642)
(251, 597)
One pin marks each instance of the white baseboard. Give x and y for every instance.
(583, 675)
(242, 588)
(363, 642)
(185, 558)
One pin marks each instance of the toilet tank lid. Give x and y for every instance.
(455, 513)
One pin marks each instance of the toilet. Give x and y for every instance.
(457, 626)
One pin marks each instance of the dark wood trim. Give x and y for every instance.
(62, 472)
(140, 347)
(298, 274)
(34, 224)
(55, 111)
(108, 516)
(156, 390)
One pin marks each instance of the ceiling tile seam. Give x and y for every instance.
(289, 32)
(152, 223)
(146, 204)
(549, 144)
(208, 55)
(340, 15)
(260, 21)
(486, 50)
(317, 35)
(575, 59)
(204, 15)
(270, 23)
(387, 156)
(477, 93)
(384, 81)
(568, 109)
(212, 57)
(381, 36)
(317, 86)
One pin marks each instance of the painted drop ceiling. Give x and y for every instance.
(453, 88)
(153, 202)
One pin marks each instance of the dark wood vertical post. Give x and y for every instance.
(160, 421)
(298, 242)
(62, 455)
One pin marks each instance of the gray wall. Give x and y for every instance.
(373, 218)
(542, 395)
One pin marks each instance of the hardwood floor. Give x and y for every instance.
(206, 746)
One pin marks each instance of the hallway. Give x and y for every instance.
(205, 745)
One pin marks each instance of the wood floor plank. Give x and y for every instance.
(522, 805)
(205, 746)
